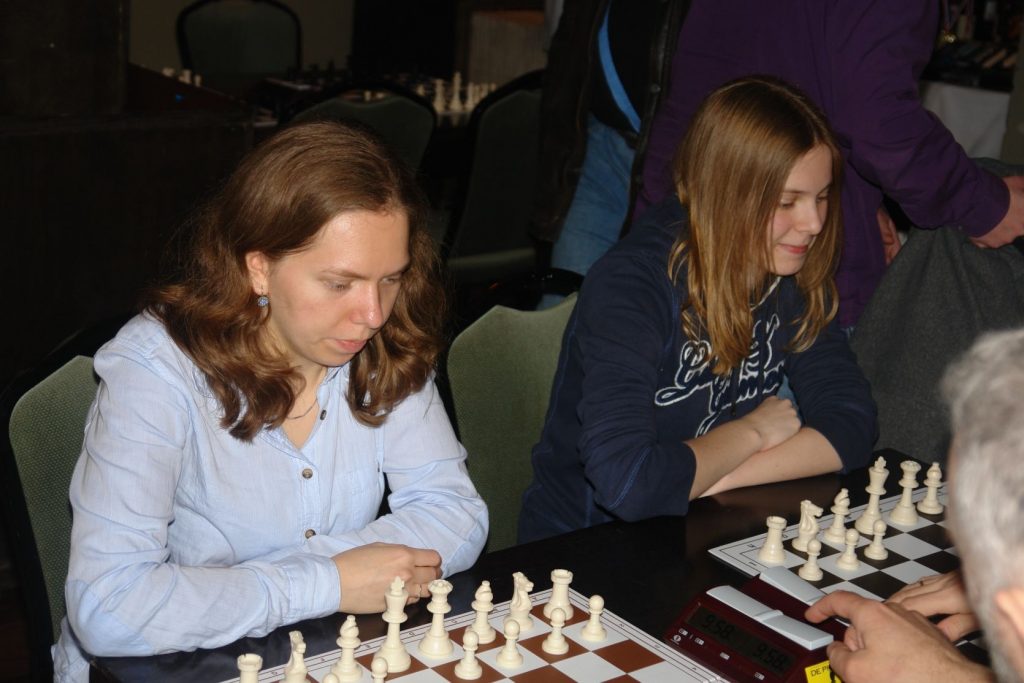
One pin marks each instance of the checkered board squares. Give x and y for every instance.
(627, 654)
(922, 549)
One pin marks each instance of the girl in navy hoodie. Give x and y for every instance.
(666, 385)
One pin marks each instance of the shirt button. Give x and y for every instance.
(307, 473)
(310, 533)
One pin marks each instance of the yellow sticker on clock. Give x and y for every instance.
(821, 673)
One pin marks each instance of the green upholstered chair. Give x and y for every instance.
(500, 370)
(402, 118)
(45, 410)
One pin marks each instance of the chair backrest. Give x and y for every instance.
(45, 432)
(404, 120)
(490, 238)
(500, 370)
(234, 42)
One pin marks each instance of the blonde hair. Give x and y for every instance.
(730, 172)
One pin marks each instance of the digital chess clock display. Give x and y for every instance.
(739, 640)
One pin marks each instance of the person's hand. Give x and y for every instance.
(366, 573)
(890, 236)
(774, 421)
(942, 594)
(1012, 225)
(886, 642)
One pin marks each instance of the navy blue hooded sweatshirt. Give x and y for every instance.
(630, 388)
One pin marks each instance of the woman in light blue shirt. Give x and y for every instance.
(236, 455)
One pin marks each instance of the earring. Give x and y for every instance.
(263, 301)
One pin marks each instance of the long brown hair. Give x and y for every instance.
(275, 203)
(730, 172)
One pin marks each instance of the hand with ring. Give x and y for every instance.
(943, 594)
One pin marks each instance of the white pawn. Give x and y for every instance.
(594, 631)
(249, 668)
(904, 513)
(510, 657)
(295, 669)
(521, 604)
(875, 550)
(840, 507)
(555, 643)
(455, 104)
(483, 604)
(848, 558)
(346, 669)
(439, 101)
(809, 513)
(468, 668)
(560, 580)
(436, 643)
(378, 669)
(933, 480)
(810, 570)
(771, 553)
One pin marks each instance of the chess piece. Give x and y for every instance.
(555, 643)
(848, 558)
(483, 603)
(455, 104)
(560, 580)
(468, 668)
(346, 669)
(295, 669)
(808, 529)
(877, 475)
(771, 553)
(904, 514)
(510, 657)
(933, 480)
(378, 669)
(436, 643)
(594, 631)
(840, 507)
(439, 101)
(249, 667)
(521, 604)
(810, 570)
(875, 550)
(393, 649)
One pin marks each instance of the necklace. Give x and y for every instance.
(316, 399)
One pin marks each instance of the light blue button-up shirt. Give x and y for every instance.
(186, 537)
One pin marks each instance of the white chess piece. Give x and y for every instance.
(510, 657)
(810, 570)
(848, 558)
(468, 668)
(808, 529)
(455, 104)
(594, 631)
(346, 669)
(771, 553)
(560, 580)
(904, 514)
(555, 643)
(436, 643)
(439, 102)
(877, 475)
(249, 667)
(378, 669)
(521, 604)
(875, 550)
(483, 604)
(392, 650)
(840, 507)
(933, 480)
(295, 669)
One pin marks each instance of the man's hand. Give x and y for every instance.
(943, 594)
(886, 642)
(1012, 225)
(366, 573)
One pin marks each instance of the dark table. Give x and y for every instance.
(646, 571)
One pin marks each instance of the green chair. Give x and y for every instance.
(500, 370)
(45, 411)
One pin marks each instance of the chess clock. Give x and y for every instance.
(755, 633)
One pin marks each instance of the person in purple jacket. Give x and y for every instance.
(860, 62)
(665, 385)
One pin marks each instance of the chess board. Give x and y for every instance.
(915, 551)
(627, 654)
